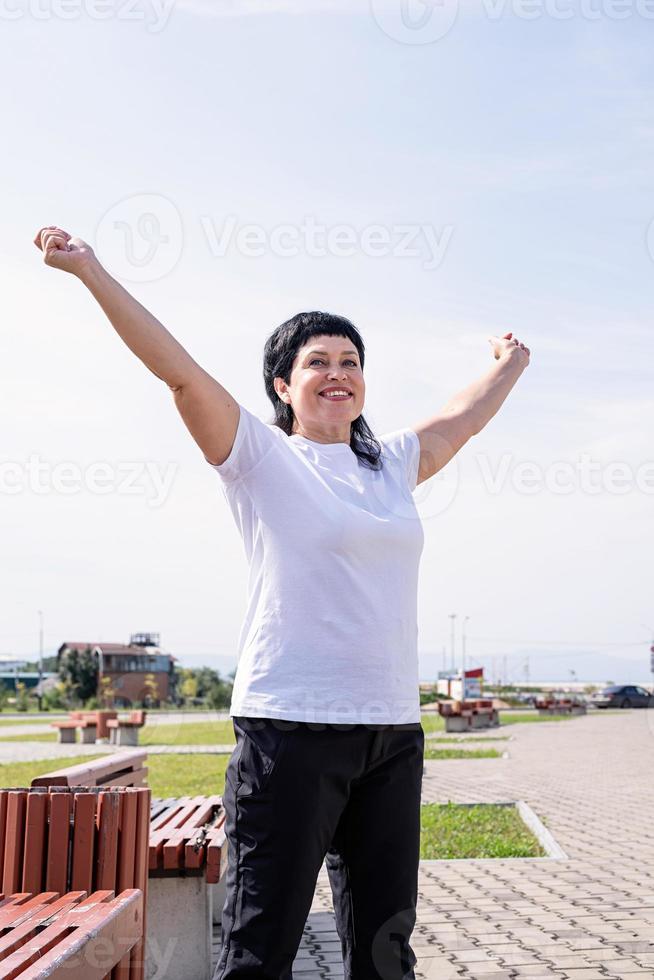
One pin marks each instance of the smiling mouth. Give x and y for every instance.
(338, 395)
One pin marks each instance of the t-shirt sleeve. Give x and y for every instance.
(253, 440)
(405, 446)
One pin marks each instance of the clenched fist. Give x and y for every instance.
(506, 345)
(61, 251)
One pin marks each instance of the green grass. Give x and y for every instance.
(448, 831)
(187, 775)
(30, 720)
(45, 737)
(519, 718)
(185, 733)
(22, 773)
(462, 754)
(462, 739)
(189, 733)
(222, 732)
(168, 775)
(432, 723)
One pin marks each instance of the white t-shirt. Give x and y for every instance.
(330, 632)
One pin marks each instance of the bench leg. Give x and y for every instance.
(88, 735)
(127, 736)
(219, 893)
(455, 723)
(66, 735)
(179, 945)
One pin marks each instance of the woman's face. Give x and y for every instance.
(323, 365)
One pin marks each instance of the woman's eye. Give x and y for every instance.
(320, 361)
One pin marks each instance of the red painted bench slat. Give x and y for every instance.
(82, 942)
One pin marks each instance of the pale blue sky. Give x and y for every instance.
(524, 149)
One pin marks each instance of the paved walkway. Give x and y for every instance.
(588, 917)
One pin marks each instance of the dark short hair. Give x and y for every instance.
(278, 355)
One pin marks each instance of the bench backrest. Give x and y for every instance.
(119, 769)
(83, 840)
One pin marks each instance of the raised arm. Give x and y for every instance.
(466, 414)
(209, 411)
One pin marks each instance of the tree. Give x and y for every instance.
(189, 686)
(55, 698)
(220, 695)
(106, 693)
(150, 691)
(22, 697)
(204, 683)
(78, 672)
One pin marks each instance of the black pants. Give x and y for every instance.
(298, 793)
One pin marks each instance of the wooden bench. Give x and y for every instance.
(92, 843)
(115, 769)
(560, 706)
(67, 730)
(73, 936)
(465, 716)
(187, 860)
(187, 834)
(125, 731)
(91, 724)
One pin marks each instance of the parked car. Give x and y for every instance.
(623, 696)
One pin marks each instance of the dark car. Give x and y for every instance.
(623, 696)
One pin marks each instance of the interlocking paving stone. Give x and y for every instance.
(588, 917)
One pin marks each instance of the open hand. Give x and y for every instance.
(61, 251)
(509, 346)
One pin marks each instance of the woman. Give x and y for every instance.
(329, 755)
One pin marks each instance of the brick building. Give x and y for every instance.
(127, 665)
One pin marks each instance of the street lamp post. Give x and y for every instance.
(453, 651)
(651, 651)
(40, 694)
(463, 649)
